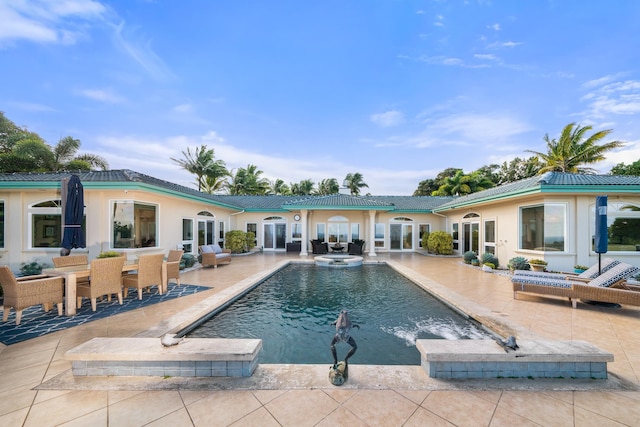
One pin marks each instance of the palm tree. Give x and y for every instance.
(572, 150)
(64, 154)
(201, 163)
(456, 185)
(302, 188)
(280, 187)
(328, 186)
(354, 182)
(248, 182)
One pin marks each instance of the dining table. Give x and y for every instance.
(71, 274)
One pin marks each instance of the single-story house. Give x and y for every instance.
(551, 216)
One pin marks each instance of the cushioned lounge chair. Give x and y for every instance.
(563, 287)
(214, 255)
(591, 273)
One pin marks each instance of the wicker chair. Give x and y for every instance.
(319, 247)
(70, 261)
(105, 279)
(173, 265)
(149, 274)
(356, 247)
(214, 255)
(27, 291)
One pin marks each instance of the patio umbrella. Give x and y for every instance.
(72, 214)
(602, 234)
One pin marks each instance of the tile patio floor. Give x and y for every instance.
(27, 365)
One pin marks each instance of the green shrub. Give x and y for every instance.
(440, 243)
(32, 268)
(109, 254)
(238, 241)
(518, 263)
(425, 240)
(188, 260)
(469, 256)
(490, 258)
(490, 265)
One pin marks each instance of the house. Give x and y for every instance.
(549, 216)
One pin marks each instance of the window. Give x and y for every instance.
(338, 229)
(379, 235)
(422, 229)
(623, 225)
(46, 224)
(252, 227)
(1, 224)
(134, 225)
(490, 236)
(455, 234)
(296, 232)
(320, 233)
(355, 232)
(187, 235)
(542, 227)
(221, 230)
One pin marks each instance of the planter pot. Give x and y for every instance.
(475, 262)
(537, 267)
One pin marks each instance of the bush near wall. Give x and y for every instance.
(440, 243)
(239, 241)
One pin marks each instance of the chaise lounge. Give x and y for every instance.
(591, 273)
(604, 286)
(213, 255)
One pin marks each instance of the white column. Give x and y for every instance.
(372, 233)
(305, 239)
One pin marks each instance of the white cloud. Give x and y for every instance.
(494, 27)
(183, 108)
(388, 118)
(47, 21)
(102, 95)
(611, 97)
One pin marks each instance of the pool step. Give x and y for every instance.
(462, 359)
(192, 357)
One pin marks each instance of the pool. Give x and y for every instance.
(292, 312)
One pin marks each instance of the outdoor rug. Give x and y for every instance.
(35, 322)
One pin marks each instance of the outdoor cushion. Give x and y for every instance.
(544, 281)
(590, 273)
(614, 275)
(217, 249)
(206, 249)
(223, 255)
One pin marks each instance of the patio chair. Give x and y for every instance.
(70, 261)
(173, 265)
(149, 274)
(591, 273)
(213, 255)
(24, 292)
(564, 287)
(105, 279)
(356, 247)
(319, 247)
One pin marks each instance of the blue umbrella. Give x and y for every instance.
(73, 212)
(602, 233)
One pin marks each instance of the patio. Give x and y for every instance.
(375, 401)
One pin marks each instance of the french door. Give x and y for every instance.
(401, 237)
(470, 236)
(274, 236)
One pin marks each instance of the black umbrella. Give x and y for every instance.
(73, 214)
(602, 233)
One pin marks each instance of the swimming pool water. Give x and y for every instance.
(292, 312)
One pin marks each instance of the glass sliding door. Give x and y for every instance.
(401, 237)
(274, 236)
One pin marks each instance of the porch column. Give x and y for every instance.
(304, 213)
(372, 233)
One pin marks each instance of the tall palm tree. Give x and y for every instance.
(64, 154)
(328, 186)
(303, 188)
(247, 181)
(354, 182)
(200, 163)
(572, 150)
(279, 187)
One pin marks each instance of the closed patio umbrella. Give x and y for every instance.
(602, 232)
(73, 213)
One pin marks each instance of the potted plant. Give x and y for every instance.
(488, 267)
(537, 264)
(580, 268)
(518, 263)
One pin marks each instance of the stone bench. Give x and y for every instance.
(462, 359)
(192, 357)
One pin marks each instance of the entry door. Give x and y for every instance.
(470, 236)
(401, 236)
(274, 236)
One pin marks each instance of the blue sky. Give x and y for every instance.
(396, 90)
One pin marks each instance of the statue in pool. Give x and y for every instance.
(339, 372)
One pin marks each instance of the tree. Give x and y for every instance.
(302, 188)
(518, 169)
(458, 185)
(572, 150)
(354, 182)
(247, 181)
(34, 150)
(622, 169)
(328, 186)
(201, 163)
(278, 186)
(64, 157)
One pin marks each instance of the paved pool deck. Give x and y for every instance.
(36, 388)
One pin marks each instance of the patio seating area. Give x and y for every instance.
(372, 396)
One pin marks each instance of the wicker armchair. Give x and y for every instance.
(356, 247)
(105, 279)
(27, 291)
(319, 247)
(70, 261)
(173, 265)
(149, 274)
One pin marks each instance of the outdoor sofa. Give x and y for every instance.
(213, 255)
(604, 287)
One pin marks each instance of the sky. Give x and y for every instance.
(397, 90)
